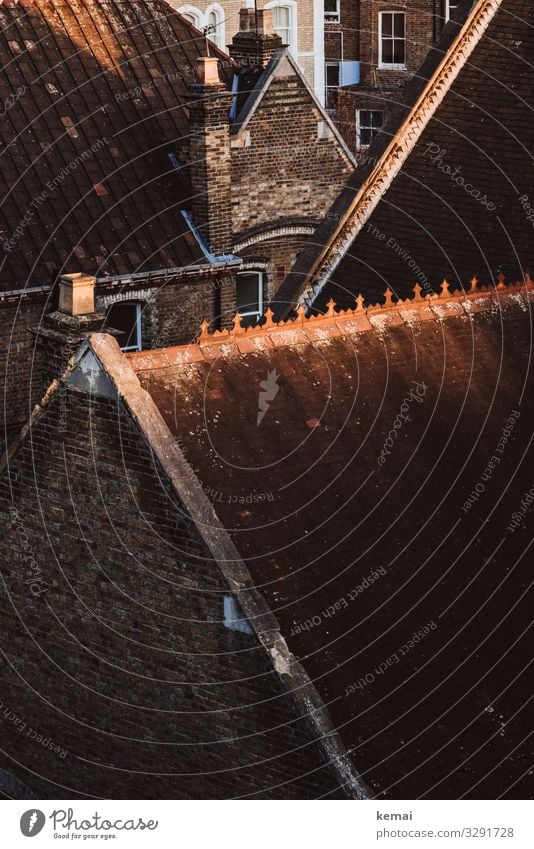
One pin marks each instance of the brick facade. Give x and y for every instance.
(115, 647)
(302, 170)
(306, 22)
(380, 87)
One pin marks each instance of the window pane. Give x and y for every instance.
(332, 75)
(387, 52)
(124, 317)
(377, 119)
(247, 292)
(330, 6)
(398, 52)
(387, 24)
(399, 25)
(281, 17)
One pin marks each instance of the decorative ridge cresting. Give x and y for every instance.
(400, 147)
(305, 328)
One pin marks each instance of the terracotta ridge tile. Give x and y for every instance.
(238, 340)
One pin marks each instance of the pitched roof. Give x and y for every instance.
(442, 193)
(373, 484)
(93, 98)
(282, 64)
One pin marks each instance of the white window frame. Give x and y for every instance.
(218, 11)
(448, 8)
(328, 88)
(138, 346)
(391, 66)
(293, 22)
(333, 17)
(199, 20)
(261, 280)
(359, 126)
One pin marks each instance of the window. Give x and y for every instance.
(285, 21)
(331, 11)
(126, 317)
(392, 39)
(331, 84)
(368, 123)
(249, 294)
(282, 23)
(191, 14)
(450, 9)
(215, 25)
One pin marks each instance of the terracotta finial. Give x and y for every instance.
(418, 290)
(388, 304)
(501, 284)
(359, 302)
(301, 314)
(204, 331)
(474, 284)
(330, 308)
(269, 319)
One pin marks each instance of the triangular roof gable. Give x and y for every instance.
(283, 64)
(362, 195)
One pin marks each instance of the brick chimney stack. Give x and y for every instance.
(60, 333)
(256, 40)
(209, 156)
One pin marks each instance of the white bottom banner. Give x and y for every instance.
(265, 825)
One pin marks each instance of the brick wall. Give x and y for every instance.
(115, 652)
(420, 34)
(286, 171)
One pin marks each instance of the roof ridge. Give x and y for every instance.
(305, 328)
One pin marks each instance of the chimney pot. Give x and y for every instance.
(77, 294)
(208, 70)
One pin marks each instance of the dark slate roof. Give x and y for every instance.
(427, 226)
(93, 98)
(380, 508)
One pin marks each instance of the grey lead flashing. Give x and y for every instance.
(203, 245)
(163, 444)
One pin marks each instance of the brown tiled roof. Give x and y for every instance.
(428, 225)
(93, 96)
(372, 468)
